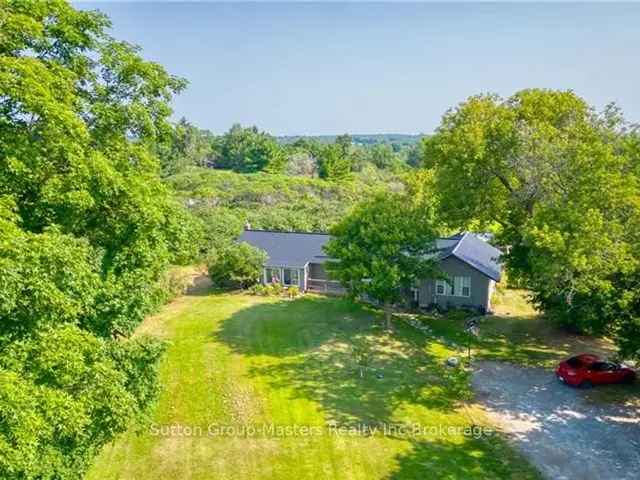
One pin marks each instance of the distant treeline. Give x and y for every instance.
(402, 139)
(249, 150)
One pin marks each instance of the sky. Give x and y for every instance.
(330, 68)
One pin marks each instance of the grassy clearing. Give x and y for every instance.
(239, 360)
(517, 333)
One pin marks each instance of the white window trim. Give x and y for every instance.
(297, 274)
(455, 287)
(466, 283)
(446, 288)
(463, 282)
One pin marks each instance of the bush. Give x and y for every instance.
(236, 265)
(258, 289)
(276, 289)
(172, 283)
(293, 292)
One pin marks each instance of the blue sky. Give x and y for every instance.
(323, 68)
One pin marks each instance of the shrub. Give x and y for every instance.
(172, 283)
(276, 289)
(293, 292)
(235, 265)
(258, 289)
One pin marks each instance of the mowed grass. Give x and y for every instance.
(242, 361)
(517, 333)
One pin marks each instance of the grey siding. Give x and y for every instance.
(317, 271)
(480, 287)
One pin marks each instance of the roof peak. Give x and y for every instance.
(284, 231)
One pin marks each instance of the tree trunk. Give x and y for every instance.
(387, 314)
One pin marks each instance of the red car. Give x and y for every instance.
(587, 370)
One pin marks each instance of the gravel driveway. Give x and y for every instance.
(556, 427)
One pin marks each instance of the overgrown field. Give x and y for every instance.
(225, 200)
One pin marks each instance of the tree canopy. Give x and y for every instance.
(248, 150)
(559, 183)
(383, 247)
(86, 230)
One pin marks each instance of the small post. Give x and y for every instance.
(471, 328)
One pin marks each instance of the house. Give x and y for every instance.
(471, 267)
(294, 258)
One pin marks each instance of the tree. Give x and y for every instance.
(382, 155)
(186, 146)
(300, 163)
(344, 141)
(383, 246)
(334, 164)
(556, 181)
(64, 393)
(86, 230)
(235, 265)
(249, 150)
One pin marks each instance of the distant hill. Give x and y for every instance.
(361, 139)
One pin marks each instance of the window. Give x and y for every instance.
(443, 288)
(574, 362)
(291, 276)
(462, 286)
(415, 294)
(272, 275)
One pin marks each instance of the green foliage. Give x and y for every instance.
(561, 183)
(293, 291)
(274, 289)
(45, 279)
(235, 265)
(382, 247)
(63, 394)
(258, 289)
(382, 156)
(185, 147)
(249, 150)
(335, 162)
(225, 201)
(86, 231)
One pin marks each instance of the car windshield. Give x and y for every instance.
(604, 366)
(574, 362)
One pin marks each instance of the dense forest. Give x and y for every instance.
(101, 193)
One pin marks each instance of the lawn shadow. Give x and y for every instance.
(334, 352)
(289, 327)
(524, 339)
(475, 457)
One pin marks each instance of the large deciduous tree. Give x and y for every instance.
(560, 184)
(383, 246)
(86, 229)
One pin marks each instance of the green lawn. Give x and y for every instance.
(237, 360)
(516, 333)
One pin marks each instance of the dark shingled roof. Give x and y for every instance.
(296, 249)
(479, 254)
(288, 249)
